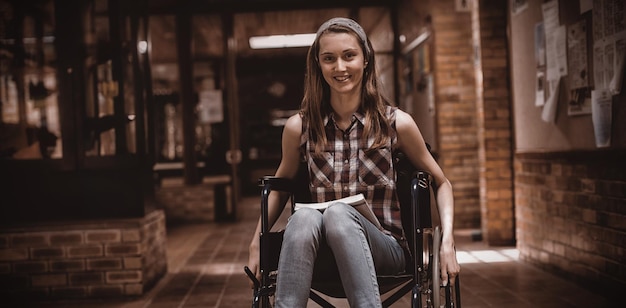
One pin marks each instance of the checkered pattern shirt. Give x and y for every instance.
(346, 168)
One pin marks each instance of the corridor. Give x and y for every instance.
(205, 269)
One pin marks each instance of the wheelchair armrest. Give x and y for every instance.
(269, 184)
(277, 183)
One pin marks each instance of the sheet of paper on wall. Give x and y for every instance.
(540, 45)
(548, 114)
(615, 85)
(518, 6)
(601, 106)
(550, 11)
(560, 40)
(555, 36)
(540, 92)
(598, 66)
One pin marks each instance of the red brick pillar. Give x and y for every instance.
(455, 97)
(495, 157)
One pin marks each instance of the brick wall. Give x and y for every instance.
(455, 97)
(191, 203)
(495, 158)
(104, 258)
(571, 215)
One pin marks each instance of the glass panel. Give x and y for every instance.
(29, 121)
(101, 88)
(208, 40)
(212, 138)
(108, 89)
(109, 125)
(165, 83)
(129, 87)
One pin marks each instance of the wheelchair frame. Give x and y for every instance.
(413, 189)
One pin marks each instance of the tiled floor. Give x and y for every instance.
(206, 270)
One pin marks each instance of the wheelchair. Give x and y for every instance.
(422, 278)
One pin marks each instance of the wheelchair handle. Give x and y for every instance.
(256, 282)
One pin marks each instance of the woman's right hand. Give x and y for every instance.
(288, 168)
(253, 261)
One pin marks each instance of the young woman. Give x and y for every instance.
(346, 131)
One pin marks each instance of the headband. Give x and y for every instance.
(348, 23)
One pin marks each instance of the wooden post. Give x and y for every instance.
(188, 101)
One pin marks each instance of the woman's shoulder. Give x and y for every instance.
(293, 126)
(401, 116)
(294, 122)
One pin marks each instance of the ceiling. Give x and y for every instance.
(208, 37)
(249, 18)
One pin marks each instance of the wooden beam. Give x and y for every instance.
(239, 6)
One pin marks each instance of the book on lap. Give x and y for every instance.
(357, 201)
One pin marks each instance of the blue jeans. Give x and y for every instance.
(360, 250)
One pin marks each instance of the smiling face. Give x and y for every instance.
(342, 62)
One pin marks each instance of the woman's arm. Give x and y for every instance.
(288, 168)
(411, 143)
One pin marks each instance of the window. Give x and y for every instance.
(29, 110)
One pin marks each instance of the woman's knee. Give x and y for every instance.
(338, 218)
(338, 211)
(304, 223)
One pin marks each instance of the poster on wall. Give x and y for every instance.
(609, 44)
(578, 66)
(577, 60)
(210, 107)
(579, 102)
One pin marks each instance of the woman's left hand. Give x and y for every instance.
(449, 265)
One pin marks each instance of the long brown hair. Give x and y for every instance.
(316, 101)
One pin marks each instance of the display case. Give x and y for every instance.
(73, 117)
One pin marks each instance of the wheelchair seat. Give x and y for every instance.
(421, 278)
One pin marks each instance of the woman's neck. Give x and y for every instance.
(345, 106)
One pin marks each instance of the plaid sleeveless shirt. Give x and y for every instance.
(347, 167)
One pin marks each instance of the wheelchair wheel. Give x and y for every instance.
(441, 297)
(430, 296)
(435, 270)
